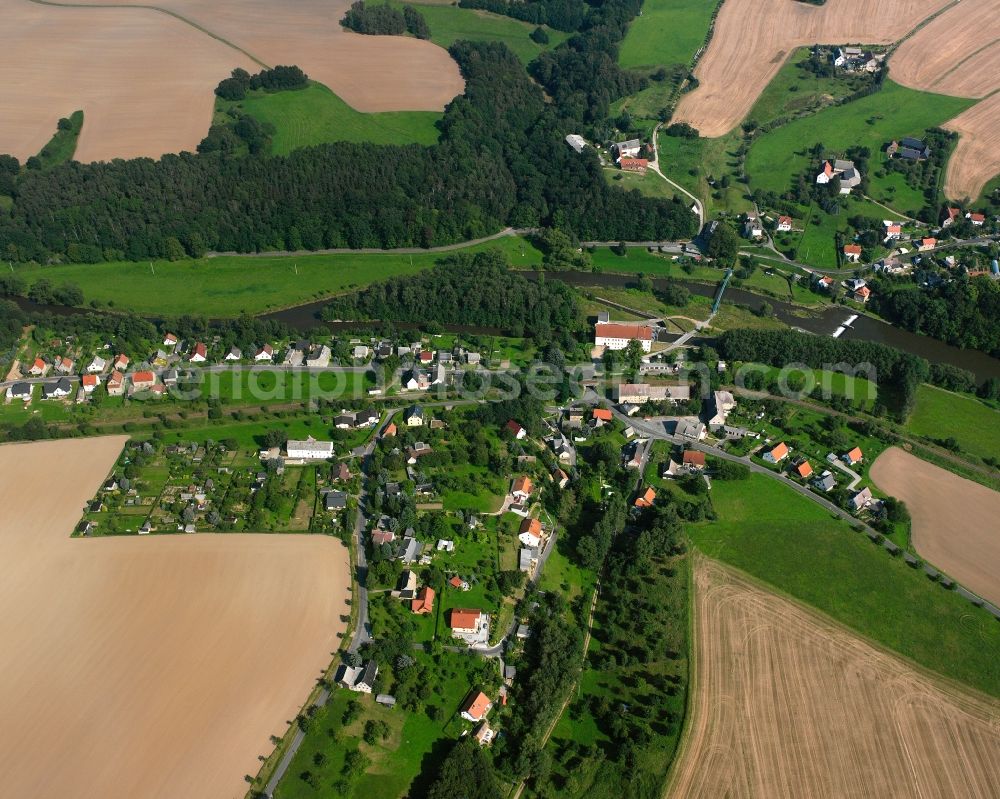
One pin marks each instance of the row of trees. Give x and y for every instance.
(501, 160)
(275, 79)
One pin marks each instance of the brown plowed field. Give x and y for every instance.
(954, 520)
(149, 668)
(788, 705)
(976, 158)
(753, 38)
(370, 73)
(957, 53)
(144, 78)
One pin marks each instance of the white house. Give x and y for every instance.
(616, 336)
(21, 391)
(784, 224)
(96, 365)
(309, 450)
(264, 354)
(234, 354)
(626, 149)
(414, 416)
(576, 141)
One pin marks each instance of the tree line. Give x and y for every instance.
(501, 161)
(275, 79)
(385, 20)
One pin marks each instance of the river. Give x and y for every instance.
(824, 322)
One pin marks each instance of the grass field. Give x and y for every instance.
(795, 546)
(817, 243)
(231, 285)
(650, 184)
(449, 23)
(667, 32)
(943, 414)
(62, 145)
(777, 157)
(315, 115)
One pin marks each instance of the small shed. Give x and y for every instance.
(386, 699)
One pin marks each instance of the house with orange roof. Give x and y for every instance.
(826, 282)
(170, 340)
(39, 368)
(121, 362)
(530, 533)
(199, 354)
(862, 294)
(784, 224)
(602, 416)
(852, 252)
(693, 459)
(90, 382)
(522, 488)
(518, 431)
(423, 602)
(458, 583)
(927, 244)
(633, 165)
(389, 431)
(472, 626)
(64, 366)
(777, 454)
(804, 469)
(476, 706)
(143, 381)
(616, 336)
(116, 384)
(646, 498)
(976, 219)
(893, 230)
(853, 457)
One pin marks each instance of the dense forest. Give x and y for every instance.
(468, 290)
(897, 373)
(501, 160)
(963, 312)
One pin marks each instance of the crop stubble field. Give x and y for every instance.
(153, 667)
(753, 38)
(964, 543)
(144, 78)
(958, 53)
(788, 704)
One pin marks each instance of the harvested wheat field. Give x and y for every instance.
(370, 73)
(788, 704)
(958, 53)
(154, 667)
(753, 38)
(954, 520)
(143, 79)
(976, 157)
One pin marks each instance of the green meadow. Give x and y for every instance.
(230, 285)
(941, 414)
(667, 32)
(449, 23)
(315, 115)
(796, 547)
(777, 157)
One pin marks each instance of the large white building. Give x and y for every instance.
(615, 336)
(310, 450)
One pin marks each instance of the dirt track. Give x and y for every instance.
(753, 38)
(144, 78)
(788, 705)
(954, 520)
(153, 667)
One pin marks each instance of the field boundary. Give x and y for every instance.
(161, 10)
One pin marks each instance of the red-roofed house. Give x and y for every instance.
(390, 430)
(804, 469)
(530, 533)
(38, 368)
(199, 354)
(476, 706)
(522, 488)
(424, 601)
(116, 384)
(854, 456)
(693, 458)
(380, 537)
(465, 622)
(862, 294)
(169, 340)
(893, 230)
(90, 382)
(265, 353)
(825, 282)
(927, 244)
(852, 252)
(976, 219)
(616, 336)
(645, 499)
(776, 455)
(516, 429)
(951, 214)
(827, 173)
(634, 165)
(425, 356)
(142, 381)
(784, 224)
(602, 415)
(121, 362)
(64, 365)
(459, 583)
